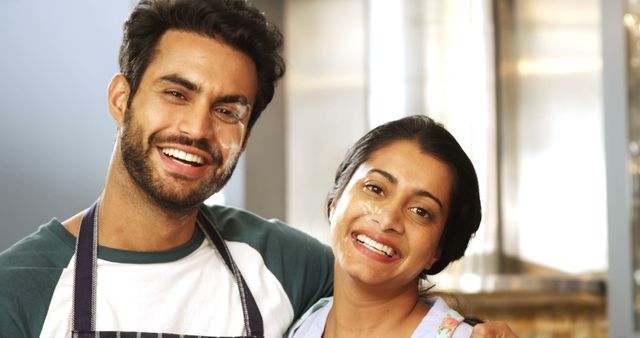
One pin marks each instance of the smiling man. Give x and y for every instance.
(148, 258)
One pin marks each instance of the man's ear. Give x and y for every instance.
(118, 97)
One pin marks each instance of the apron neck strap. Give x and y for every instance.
(85, 278)
(252, 318)
(84, 282)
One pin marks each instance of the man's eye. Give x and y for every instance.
(231, 112)
(226, 111)
(176, 94)
(227, 114)
(374, 188)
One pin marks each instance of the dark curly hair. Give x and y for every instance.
(235, 22)
(465, 213)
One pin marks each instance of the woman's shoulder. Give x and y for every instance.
(442, 320)
(312, 322)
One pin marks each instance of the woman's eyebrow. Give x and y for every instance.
(385, 174)
(394, 180)
(431, 196)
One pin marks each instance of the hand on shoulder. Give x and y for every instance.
(492, 330)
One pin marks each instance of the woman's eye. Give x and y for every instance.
(374, 188)
(421, 212)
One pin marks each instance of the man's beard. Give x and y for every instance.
(138, 164)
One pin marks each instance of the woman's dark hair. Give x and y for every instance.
(465, 213)
(235, 22)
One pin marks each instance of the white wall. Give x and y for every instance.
(325, 92)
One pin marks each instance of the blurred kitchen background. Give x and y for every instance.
(544, 95)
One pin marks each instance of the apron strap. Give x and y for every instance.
(84, 284)
(252, 318)
(84, 281)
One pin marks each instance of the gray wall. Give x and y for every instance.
(264, 170)
(56, 61)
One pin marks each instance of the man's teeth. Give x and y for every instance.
(384, 249)
(184, 156)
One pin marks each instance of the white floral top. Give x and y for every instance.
(440, 322)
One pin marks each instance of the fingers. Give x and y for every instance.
(493, 330)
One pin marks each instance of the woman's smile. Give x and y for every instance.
(374, 245)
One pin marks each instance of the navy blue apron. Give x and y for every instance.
(84, 286)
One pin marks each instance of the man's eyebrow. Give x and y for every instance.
(394, 180)
(179, 80)
(234, 99)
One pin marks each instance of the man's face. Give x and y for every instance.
(174, 143)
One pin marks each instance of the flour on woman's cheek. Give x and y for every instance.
(369, 209)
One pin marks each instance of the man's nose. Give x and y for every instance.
(196, 122)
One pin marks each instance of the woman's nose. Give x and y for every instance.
(389, 217)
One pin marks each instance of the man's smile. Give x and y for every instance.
(184, 157)
(184, 163)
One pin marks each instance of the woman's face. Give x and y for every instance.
(386, 224)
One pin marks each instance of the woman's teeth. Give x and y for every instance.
(378, 247)
(183, 156)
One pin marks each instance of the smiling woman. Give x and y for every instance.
(391, 213)
(404, 205)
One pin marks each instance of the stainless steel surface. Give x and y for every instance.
(632, 24)
(520, 283)
(620, 299)
(551, 135)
